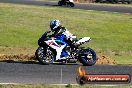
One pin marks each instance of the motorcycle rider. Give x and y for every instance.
(61, 33)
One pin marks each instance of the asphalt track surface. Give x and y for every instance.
(98, 7)
(33, 72)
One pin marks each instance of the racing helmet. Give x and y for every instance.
(54, 24)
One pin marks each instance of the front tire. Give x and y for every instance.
(87, 57)
(44, 55)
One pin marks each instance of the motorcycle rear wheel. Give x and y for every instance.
(88, 57)
(44, 56)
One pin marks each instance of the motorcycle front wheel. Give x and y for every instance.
(88, 57)
(44, 55)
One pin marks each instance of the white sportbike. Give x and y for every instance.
(51, 48)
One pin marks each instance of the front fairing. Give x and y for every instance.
(45, 34)
(58, 41)
(43, 37)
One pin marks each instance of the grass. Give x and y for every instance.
(22, 25)
(123, 59)
(90, 2)
(60, 86)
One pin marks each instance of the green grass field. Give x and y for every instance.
(111, 33)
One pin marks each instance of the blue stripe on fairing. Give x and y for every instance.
(61, 41)
(57, 40)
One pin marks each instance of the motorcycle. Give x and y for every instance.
(66, 3)
(47, 51)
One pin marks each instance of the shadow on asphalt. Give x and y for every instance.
(35, 62)
(21, 62)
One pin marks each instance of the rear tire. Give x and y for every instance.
(44, 55)
(87, 57)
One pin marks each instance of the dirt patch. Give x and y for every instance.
(101, 59)
(16, 51)
(16, 57)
